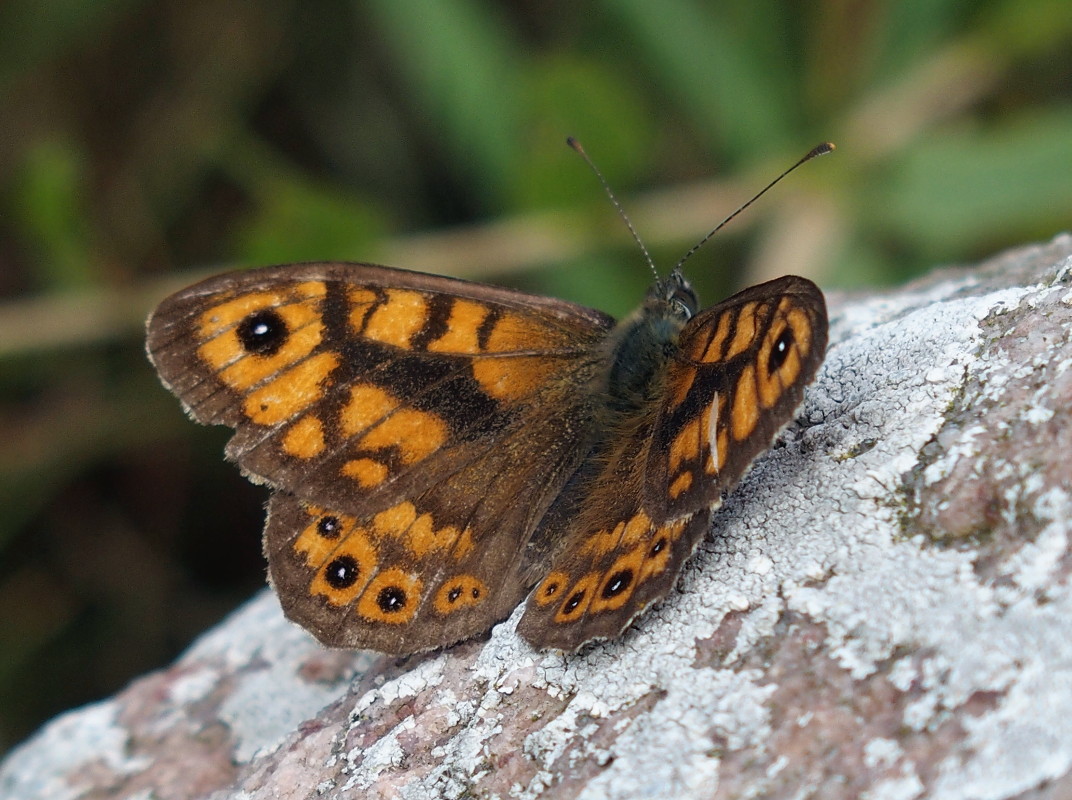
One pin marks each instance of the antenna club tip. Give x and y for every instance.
(572, 142)
(824, 148)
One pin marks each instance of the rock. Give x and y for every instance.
(882, 609)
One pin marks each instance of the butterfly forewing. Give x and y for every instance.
(736, 380)
(390, 378)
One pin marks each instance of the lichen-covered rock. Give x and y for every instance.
(882, 609)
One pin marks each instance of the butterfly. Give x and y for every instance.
(440, 451)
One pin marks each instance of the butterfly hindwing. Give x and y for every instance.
(400, 582)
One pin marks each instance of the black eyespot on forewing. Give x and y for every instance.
(780, 350)
(263, 332)
(617, 583)
(391, 599)
(342, 572)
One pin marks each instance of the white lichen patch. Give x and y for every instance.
(259, 716)
(906, 786)
(40, 768)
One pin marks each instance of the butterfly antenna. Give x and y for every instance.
(614, 200)
(815, 152)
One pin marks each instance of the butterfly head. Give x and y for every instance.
(672, 297)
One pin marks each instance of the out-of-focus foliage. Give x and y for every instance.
(144, 142)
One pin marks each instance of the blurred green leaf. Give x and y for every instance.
(297, 219)
(31, 32)
(965, 189)
(907, 30)
(728, 80)
(459, 61)
(573, 96)
(49, 200)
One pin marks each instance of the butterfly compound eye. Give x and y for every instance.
(684, 300)
(263, 332)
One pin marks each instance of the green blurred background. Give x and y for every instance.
(145, 144)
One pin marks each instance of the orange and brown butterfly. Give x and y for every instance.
(441, 450)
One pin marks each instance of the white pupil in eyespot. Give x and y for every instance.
(260, 329)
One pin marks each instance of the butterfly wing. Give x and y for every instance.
(738, 379)
(734, 381)
(400, 416)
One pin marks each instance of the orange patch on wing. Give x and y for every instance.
(368, 404)
(654, 563)
(723, 449)
(636, 529)
(550, 588)
(395, 321)
(245, 370)
(359, 556)
(801, 326)
(295, 303)
(771, 384)
(625, 534)
(602, 542)
(513, 378)
(393, 596)
(297, 306)
(362, 302)
(423, 537)
(463, 328)
(291, 392)
(464, 545)
(394, 521)
(366, 471)
(746, 330)
(713, 351)
(745, 412)
(417, 434)
(686, 445)
(513, 332)
(313, 544)
(461, 591)
(305, 438)
(618, 582)
(577, 598)
(681, 484)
